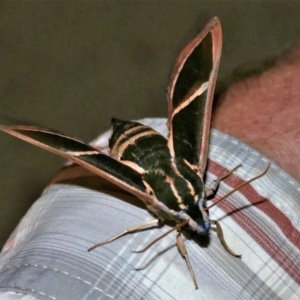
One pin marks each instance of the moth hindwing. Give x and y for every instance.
(165, 173)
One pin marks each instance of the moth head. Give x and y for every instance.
(199, 221)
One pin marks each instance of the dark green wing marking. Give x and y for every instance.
(190, 96)
(85, 155)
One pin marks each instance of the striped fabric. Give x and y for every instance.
(46, 257)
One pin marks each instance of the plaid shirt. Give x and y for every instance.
(46, 256)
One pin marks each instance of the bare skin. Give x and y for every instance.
(264, 112)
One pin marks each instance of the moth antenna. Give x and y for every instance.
(230, 172)
(239, 187)
(213, 189)
(178, 226)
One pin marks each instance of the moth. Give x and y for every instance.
(167, 174)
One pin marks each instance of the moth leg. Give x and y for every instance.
(210, 192)
(182, 249)
(177, 227)
(126, 231)
(221, 237)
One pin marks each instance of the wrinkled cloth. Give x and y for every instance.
(46, 256)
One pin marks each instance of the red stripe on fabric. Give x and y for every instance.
(255, 231)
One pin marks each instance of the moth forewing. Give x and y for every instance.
(190, 96)
(86, 156)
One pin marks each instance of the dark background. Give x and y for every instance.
(73, 65)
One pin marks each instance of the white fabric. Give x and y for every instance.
(46, 256)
